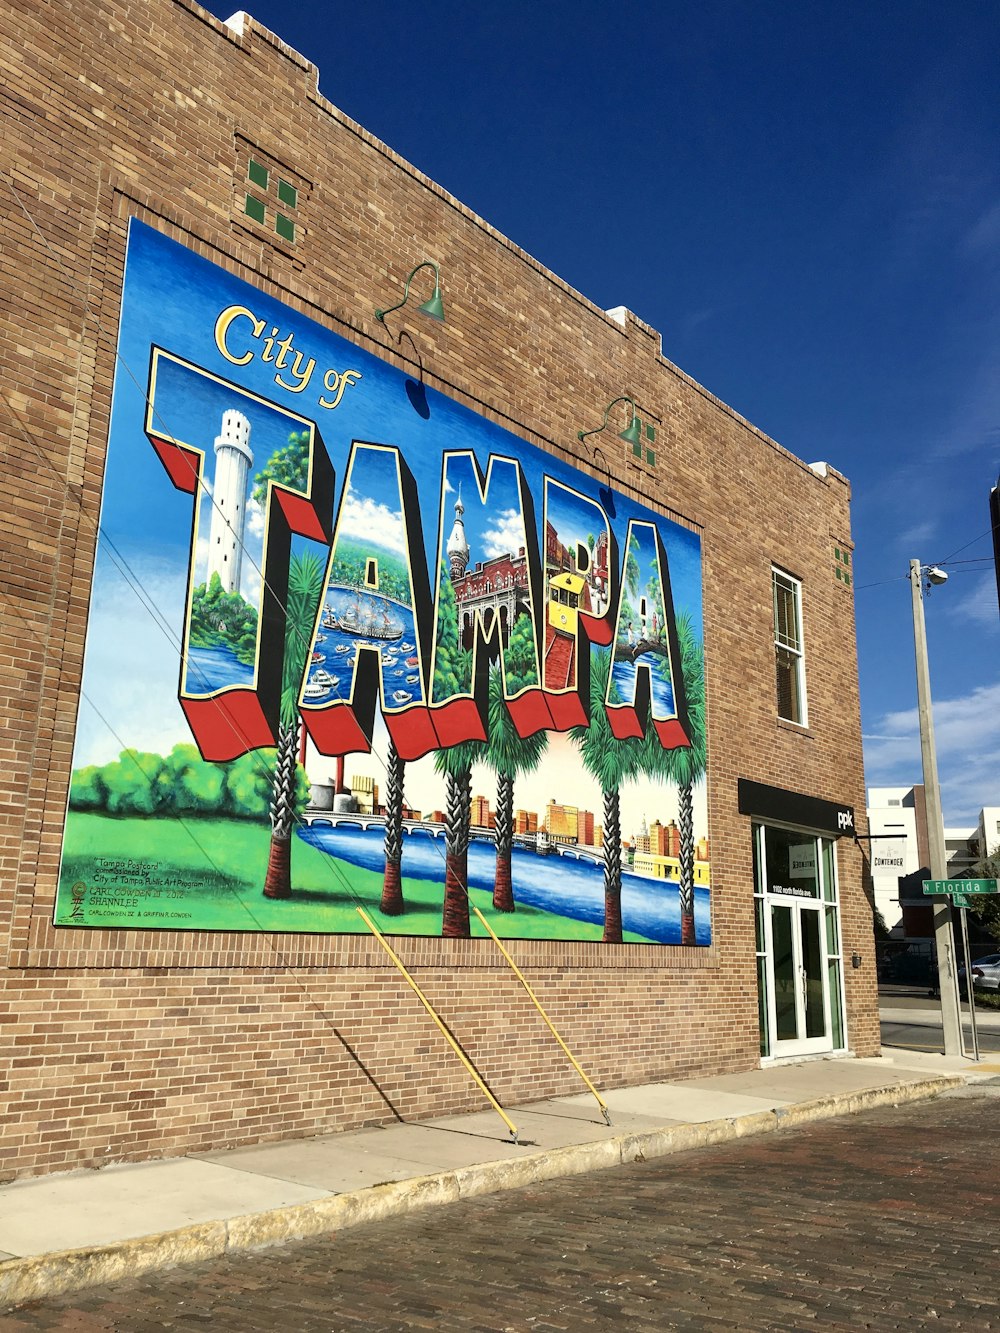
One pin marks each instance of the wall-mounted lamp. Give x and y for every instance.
(433, 307)
(606, 494)
(632, 434)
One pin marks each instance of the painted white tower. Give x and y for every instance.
(458, 545)
(233, 461)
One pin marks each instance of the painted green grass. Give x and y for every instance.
(207, 874)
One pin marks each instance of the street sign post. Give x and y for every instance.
(970, 989)
(960, 891)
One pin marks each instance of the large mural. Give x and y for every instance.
(352, 644)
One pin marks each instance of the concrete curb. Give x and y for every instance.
(38, 1276)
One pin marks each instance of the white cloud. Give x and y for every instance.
(200, 559)
(695, 318)
(979, 605)
(250, 582)
(508, 535)
(255, 519)
(967, 740)
(983, 236)
(366, 520)
(915, 538)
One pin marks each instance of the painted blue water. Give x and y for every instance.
(210, 669)
(334, 653)
(555, 883)
(624, 675)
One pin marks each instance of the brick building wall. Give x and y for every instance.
(115, 1044)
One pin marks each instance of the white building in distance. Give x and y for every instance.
(900, 859)
(897, 849)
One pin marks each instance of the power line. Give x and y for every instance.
(990, 531)
(882, 583)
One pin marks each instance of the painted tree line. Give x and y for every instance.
(179, 784)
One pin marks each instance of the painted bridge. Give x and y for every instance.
(435, 829)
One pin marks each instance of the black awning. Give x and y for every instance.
(793, 807)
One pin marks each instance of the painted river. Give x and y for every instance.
(554, 883)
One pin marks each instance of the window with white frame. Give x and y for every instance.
(788, 657)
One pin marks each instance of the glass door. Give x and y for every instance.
(798, 979)
(798, 943)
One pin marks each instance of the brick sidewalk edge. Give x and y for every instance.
(38, 1276)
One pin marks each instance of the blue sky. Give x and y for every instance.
(804, 199)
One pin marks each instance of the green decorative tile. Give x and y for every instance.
(284, 227)
(258, 174)
(255, 209)
(288, 194)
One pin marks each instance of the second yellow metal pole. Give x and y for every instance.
(444, 1031)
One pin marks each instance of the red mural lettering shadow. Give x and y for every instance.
(625, 724)
(336, 729)
(531, 712)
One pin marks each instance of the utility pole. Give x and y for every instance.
(943, 936)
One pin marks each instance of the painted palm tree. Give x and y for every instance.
(632, 566)
(611, 761)
(510, 755)
(456, 764)
(684, 766)
(392, 882)
(305, 589)
(452, 677)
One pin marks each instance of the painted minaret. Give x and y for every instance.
(458, 544)
(233, 461)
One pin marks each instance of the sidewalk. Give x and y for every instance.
(65, 1232)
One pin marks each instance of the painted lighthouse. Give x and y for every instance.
(233, 461)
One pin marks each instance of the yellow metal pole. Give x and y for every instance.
(430, 1009)
(535, 1001)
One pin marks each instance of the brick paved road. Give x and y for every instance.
(888, 1220)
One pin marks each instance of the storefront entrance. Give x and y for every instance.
(799, 973)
